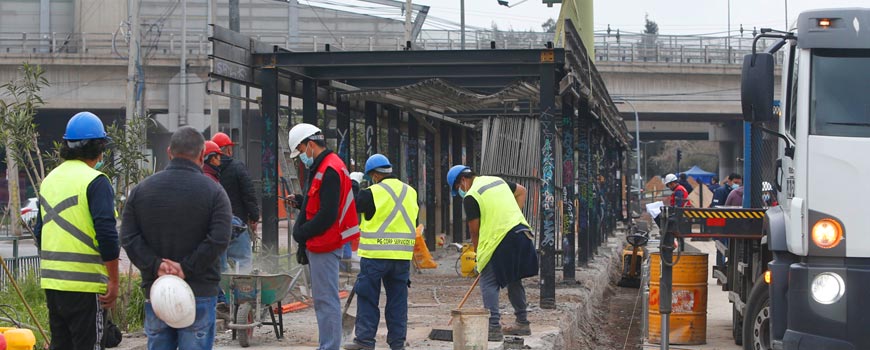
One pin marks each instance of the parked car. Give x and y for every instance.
(29, 212)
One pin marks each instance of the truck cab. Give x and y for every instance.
(819, 275)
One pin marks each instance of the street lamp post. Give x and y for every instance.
(637, 144)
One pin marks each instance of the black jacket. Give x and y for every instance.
(240, 189)
(181, 215)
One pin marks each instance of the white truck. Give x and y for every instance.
(810, 288)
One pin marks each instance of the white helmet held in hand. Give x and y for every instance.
(299, 133)
(670, 178)
(173, 301)
(357, 176)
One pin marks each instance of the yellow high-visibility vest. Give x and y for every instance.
(69, 258)
(391, 233)
(499, 212)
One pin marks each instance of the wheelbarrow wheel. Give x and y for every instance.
(245, 316)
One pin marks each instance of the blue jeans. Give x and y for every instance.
(324, 291)
(239, 250)
(516, 294)
(199, 335)
(395, 275)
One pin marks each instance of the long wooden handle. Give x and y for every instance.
(465, 298)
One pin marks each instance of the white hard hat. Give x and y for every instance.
(173, 301)
(670, 178)
(299, 133)
(765, 186)
(356, 176)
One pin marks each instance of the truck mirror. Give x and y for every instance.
(756, 93)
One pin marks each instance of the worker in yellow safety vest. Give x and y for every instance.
(504, 242)
(389, 212)
(78, 242)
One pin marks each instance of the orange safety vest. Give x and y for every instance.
(686, 202)
(346, 227)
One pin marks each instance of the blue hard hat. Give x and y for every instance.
(453, 173)
(377, 161)
(84, 126)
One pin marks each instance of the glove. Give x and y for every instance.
(301, 255)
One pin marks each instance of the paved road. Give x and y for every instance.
(25, 248)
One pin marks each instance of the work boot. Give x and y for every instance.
(495, 334)
(355, 346)
(517, 329)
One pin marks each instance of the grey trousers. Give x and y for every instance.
(324, 290)
(516, 294)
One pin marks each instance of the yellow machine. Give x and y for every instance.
(633, 256)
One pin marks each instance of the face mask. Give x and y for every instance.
(766, 197)
(98, 165)
(461, 193)
(308, 161)
(735, 186)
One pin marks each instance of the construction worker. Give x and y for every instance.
(211, 166)
(78, 242)
(386, 246)
(239, 187)
(178, 222)
(503, 241)
(679, 195)
(329, 221)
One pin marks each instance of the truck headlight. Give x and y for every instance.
(827, 288)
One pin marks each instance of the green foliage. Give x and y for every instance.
(129, 311)
(650, 26)
(125, 160)
(17, 128)
(549, 26)
(35, 297)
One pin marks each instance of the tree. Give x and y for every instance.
(650, 26)
(549, 26)
(18, 133)
(662, 157)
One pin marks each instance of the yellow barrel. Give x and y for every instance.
(688, 321)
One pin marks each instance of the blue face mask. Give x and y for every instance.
(308, 161)
(766, 197)
(98, 165)
(735, 186)
(461, 193)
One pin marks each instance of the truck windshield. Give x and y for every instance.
(840, 93)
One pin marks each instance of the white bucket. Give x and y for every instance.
(470, 329)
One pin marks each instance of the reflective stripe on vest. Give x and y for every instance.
(390, 234)
(70, 259)
(346, 227)
(499, 213)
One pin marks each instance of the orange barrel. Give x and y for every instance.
(688, 320)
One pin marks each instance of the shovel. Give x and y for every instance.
(348, 321)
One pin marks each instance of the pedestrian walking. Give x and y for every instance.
(735, 198)
(329, 221)
(77, 239)
(240, 189)
(503, 241)
(177, 222)
(386, 247)
(720, 194)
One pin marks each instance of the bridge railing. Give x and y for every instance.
(623, 47)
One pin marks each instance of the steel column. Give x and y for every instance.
(271, 99)
(444, 165)
(371, 131)
(584, 162)
(429, 181)
(458, 224)
(568, 239)
(342, 124)
(547, 238)
(309, 101)
(413, 154)
(393, 141)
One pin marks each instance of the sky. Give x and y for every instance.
(672, 16)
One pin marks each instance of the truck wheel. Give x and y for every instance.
(756, 328)
(736, 325)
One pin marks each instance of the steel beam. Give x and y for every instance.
(371, 123)
(409, 58)
(271, 99)
(309, 101)
(547, 238)
(420, 71)
(480, 84)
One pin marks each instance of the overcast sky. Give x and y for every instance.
(672, 16)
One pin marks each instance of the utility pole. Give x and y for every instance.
(408, 21)
(786, 15)
(214, 111)
(132, 58)
(728, 36)
(462, 22)
(235, 89)
(182, 107)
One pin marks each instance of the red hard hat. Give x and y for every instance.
(211, 147)
(222, 140)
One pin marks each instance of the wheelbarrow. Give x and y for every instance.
(250, 294)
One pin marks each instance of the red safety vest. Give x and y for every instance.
(346, 228)
(686, 202)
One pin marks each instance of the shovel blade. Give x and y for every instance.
(348, 322)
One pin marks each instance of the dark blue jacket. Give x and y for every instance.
(721, 195)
